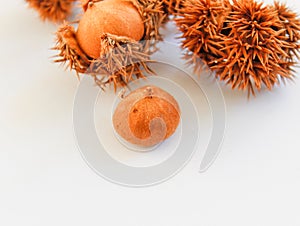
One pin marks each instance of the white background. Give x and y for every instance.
(44, 181)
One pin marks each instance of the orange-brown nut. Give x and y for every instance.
(120, 18)
(146, 116)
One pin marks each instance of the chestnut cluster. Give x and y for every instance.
(247, 44)
(113, 40)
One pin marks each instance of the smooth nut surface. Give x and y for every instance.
(146, 116)
(119, 18)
